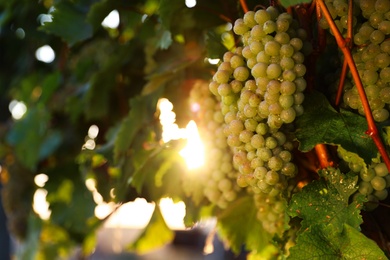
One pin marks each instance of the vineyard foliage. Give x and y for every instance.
(288, 173)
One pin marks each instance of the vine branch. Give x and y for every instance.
(244, 6)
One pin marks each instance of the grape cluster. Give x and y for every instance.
(374, 179)
(339, 12)
(261, 86)
(218, 176)
(371, 56)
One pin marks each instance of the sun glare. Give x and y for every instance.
(193, 152)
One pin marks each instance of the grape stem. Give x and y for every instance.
(344, 46)
(323, 156)
(244, 6)
(345, 63)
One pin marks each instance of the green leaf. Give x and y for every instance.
(327, 201)
(28, 135)
(238, 226)
(69, 22)
(67, 195)
(326, 242)
(168, 10)
(142, 109)
(287, 3)
(29, 248)
(155, 235)
(98, 12)
(322, 124)
(49, 86)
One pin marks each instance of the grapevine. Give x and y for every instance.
(269, 120)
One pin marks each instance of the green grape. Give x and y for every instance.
(384, 27)
(275, 163)
(287, 88)
(275, 109)
(222, 76)
(241, 73)
(249, 19)
(287, 63)
(378, 183)
(377, 37)
(274, 71)
(296, 43)
(257, 141)
(272, 48)
(375, 19)
(261, 16)
(259, 70)
(271, 142)
(240, 27)
(382, 6)
(381, 169)
(256, 47)
(380, 194)
(269, 27)
(300, 70)
(224, 89)
(257, 32)
(264, 153)
(288, 115)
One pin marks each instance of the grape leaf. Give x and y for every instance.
(141, 112)
(322, 241)
(330, 225)
(155, 235)
(72, 32)
(322, 124)
(238, 226)
(326, 201)
(28, 135)
(68, 194)
(98, 12)
(287, 3)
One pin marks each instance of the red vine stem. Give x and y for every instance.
(345, 63)
(343, 45)
(323, 155)
(244, 6)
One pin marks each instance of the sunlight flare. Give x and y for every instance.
(193, 152)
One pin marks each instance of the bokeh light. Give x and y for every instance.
(112, 20)
(45, 54)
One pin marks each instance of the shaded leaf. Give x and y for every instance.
(287, 3)
(326, 242)
(49, 86)
(155, 235)
(67, 194)
(238, 226)
(322, 124)
(142, 109)
(28, 135)
(69, 22)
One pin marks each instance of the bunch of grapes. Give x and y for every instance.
(374, 179)
(371, 52)
(339, 12)
(261, 86)
(218, 176)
